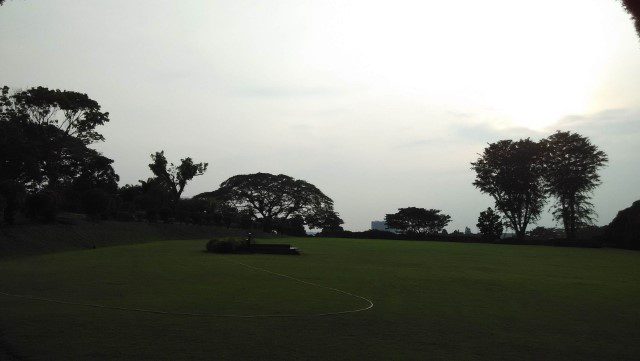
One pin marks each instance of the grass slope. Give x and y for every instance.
(30, 239)
(432, 301)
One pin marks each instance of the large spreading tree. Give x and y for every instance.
(420, 221)
(571, 174)
(72, 112)
(512, 173)
(44, 136)
(274, 198)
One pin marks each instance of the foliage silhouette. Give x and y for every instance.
(174, 177)
(624, 229)
(72, 112)
(43, 206)
(13, 195)
(545, 233)
(271, 198)
(96, 203)
(40, 151)
(633, 8)
(511, 172)
(571, 174)
(490, 225)
(413, 220)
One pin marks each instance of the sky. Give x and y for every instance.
(381, 104)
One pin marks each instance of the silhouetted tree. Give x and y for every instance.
(155, 195)
(571, 175)
(40, 149)
(96, 203)
(633, 8)
(19, 156)
(72, 112)
(13, 193)
(43, 205)
(490, 225)
(624, 229)
(96, 172)
(293, 226)
(545, 233)
(325, 219)
(511, 172)
(175, 177)
(271, 198)
(413, 220)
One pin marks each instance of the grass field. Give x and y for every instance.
(432, 301)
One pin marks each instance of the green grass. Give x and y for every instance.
(432, 301)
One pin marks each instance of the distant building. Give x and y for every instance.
(381, 226)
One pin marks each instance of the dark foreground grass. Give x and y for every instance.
(432, 301)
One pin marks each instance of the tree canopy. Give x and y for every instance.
(571, 174)
(72, 112)
(413, 220)
(624, 229)
(44, 137)
(633, 8)
(490, 225)
(511, 172)
(38, 151)
(271, 198)
(175, 177)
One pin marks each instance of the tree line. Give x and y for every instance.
(521, 176)
(47, 166)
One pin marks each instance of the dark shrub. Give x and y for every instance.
(165, 214)
(13, 194)
(125, 216)
(225, 245)
(545, 233)
(151, 215)
(291, 227)
(196, 218)
(624, 230)
(95, 203)
(490, 225)
(182, 216)
(42, 206)
(3, 205)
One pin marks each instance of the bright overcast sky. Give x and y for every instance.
(381, 104)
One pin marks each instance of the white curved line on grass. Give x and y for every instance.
(368, 301)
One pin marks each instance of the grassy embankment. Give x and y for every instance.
(32, 239)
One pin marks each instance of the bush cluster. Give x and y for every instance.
(226, 245)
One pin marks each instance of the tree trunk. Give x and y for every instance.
(267, 225)
(571, 214)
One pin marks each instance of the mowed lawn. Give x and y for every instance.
(432, 300)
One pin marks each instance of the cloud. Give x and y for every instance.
(287, 92)
(486, 133)
(609, 121)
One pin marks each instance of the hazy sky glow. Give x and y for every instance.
(381, 104)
